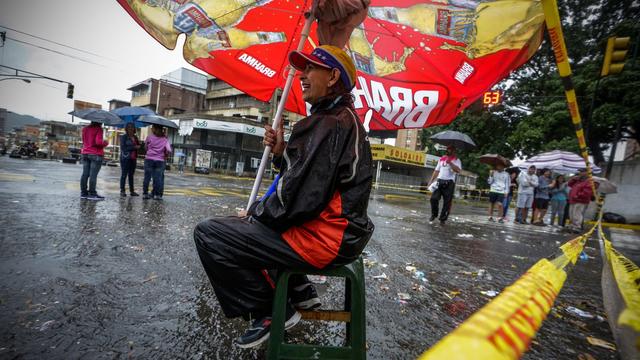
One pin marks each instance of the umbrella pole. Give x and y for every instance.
(276, 121)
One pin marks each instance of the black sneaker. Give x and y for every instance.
(433, 217)
(95, 197)
(133, 193)
(84, 196)
(305, 297)
(157, 197)
(123, 194)
(259, 330)
(146, 196)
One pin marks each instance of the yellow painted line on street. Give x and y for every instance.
(617, 226)
(403, 197)
(5, 176)
(209, 192)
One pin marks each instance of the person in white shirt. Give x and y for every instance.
(445, 174)
(500, 182)
(527, 182)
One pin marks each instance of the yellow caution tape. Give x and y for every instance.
(503, 328)
(627, 276)
(634, 227)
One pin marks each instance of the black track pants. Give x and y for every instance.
(234, 252)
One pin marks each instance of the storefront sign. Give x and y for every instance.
(228, 127)
(393, 153)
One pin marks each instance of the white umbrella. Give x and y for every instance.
(562, 162)
(605, 186)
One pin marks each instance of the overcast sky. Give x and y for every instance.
(127, 54)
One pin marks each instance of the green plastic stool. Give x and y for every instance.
(353, 315)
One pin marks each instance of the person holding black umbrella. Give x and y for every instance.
(129, 146)
(445, 176)
(158, 148)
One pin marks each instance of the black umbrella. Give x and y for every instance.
(454, 138)
(99, 116)
(513, 170)
(158, 120)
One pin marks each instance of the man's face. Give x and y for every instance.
(531, 171)
(547, 174)
(315, 83)
(451, 150)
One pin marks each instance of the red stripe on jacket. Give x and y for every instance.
(318, 241)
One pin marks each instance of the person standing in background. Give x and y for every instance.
(129, 146)
(542, 197)
(445, 174)
(579, 198)
(158, 148)
(92, 152)
(500, 182)
(512, 188)
(558, 200)
(527, 182)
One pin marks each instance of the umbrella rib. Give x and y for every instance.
(232, 11)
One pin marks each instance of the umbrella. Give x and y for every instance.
(562, 162)
(460, 46)
(513, 169)
(130, 114)
(420, 63)
(157, 120)
(494, 159)
(605, 186)
(454, 138)
(133, 111)
(98, 115)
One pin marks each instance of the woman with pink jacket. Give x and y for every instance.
(158, 148)
(92, 154)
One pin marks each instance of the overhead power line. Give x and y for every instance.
(55, 42)
(56, 51)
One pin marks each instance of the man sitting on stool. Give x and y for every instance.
(315, 214)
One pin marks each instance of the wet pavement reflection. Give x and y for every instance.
(121, 278)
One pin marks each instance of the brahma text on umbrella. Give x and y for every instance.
(396, 102)
(256, 64)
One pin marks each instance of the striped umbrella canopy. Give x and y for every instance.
(562, 162)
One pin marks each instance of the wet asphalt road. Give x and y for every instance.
(121, 278)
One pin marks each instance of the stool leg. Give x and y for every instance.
(347, 307)
(278, 316)
(358, 312)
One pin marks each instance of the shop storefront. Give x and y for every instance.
(402, 170)
(236, 148)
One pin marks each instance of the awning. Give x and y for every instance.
(187, 126)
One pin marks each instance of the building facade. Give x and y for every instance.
(231, 127)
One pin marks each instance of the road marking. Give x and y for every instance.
(7, 176)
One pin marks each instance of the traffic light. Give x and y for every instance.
(69, 91)
(617, 48)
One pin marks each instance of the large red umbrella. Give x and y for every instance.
(420, 63)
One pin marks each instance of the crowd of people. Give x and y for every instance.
(156, 148)
(538, 190)
(535, 190)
